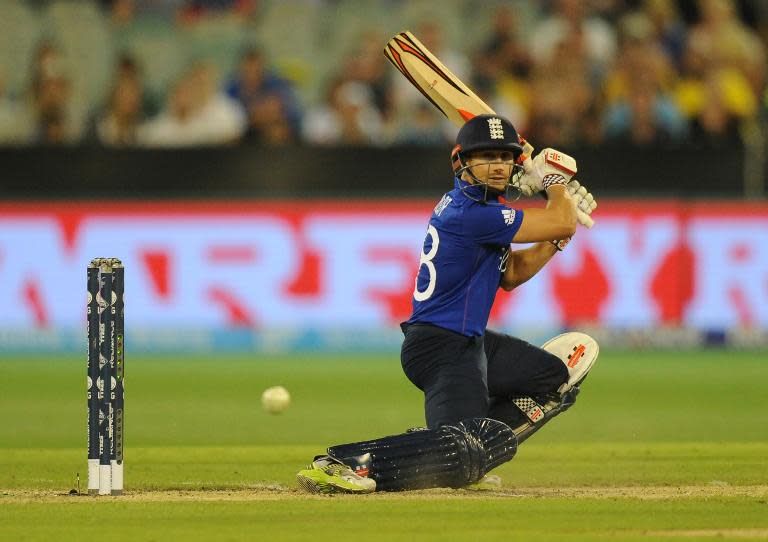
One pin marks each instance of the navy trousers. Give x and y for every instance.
(473, 377)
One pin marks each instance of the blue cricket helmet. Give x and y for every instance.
(485, 132)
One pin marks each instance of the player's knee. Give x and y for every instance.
(553, 371)
(484, 444)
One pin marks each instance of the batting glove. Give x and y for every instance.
(585, 202)
(550, 167)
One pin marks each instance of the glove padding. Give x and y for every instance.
(585, 202)
(548, 168)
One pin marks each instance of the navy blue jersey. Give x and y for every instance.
(465, 252)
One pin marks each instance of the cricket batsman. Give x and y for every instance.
(485, 392)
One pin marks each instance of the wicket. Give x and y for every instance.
(106, 331)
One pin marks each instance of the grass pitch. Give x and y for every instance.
(659, 446)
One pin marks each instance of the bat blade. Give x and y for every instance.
(436, 82)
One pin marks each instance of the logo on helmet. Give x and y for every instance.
(497, 130)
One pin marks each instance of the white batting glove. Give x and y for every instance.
(584, 201)
(550, 167)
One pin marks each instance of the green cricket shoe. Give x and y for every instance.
(325, 475)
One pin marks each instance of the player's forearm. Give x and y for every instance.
(524, 264)
(557, 221)
(562, 209)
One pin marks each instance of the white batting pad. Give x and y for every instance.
(578, 351)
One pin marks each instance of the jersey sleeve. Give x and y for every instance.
(492, 224)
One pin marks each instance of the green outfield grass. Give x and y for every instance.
(660, 446)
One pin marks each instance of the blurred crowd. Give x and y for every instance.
(566, 72)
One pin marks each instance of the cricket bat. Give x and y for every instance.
(437, 83)
(441, 87)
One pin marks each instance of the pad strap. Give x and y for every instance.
(540, 412)
(532, 410)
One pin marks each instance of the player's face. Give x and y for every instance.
(492, 167)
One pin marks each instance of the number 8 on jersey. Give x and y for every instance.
(426, 259)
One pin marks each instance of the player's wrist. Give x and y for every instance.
(560, 244)
(556, 189)
(553, 179)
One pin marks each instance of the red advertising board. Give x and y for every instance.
(348, 263)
